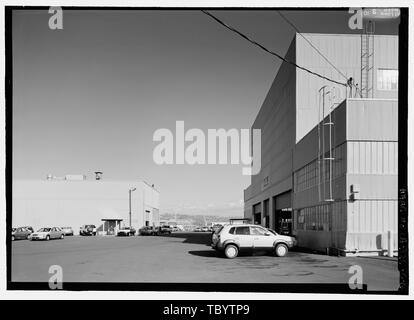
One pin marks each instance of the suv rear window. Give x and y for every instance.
(242, 230)
(219, 230)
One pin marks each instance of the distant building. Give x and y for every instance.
(330, 152)
(76, 201)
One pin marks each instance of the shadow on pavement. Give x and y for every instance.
(206, 253)
(192, 237)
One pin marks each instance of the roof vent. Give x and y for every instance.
(98, 175)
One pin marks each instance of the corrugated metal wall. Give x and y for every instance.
(372, 157)
(368, 224)
(343, 51)
(276, 119)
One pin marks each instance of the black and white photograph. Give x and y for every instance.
(206, 149)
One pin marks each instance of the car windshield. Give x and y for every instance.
(43, 230)
(272, 231)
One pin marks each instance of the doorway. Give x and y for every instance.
(257, 214)
(282, 213)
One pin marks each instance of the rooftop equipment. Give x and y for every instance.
(98, 175)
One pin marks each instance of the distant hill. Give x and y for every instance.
(197, 220)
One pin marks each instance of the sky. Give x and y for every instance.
(89, 97)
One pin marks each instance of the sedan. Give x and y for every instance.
(147, 231)
(20, 234)
(47, 234)
(165, 229)
(126, 232)
(67, 231)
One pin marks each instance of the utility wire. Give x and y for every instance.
(318, 51)
(308, 41)
(269, 51)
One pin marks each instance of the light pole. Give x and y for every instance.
(130, 191)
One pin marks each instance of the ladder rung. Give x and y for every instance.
(328, 124)
(330, 159)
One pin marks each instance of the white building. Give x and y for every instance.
(72, 201)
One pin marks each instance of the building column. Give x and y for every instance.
(271, 213)
(262, 213)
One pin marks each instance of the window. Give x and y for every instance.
(242, 230)
(231, 231)
(317, 218)
(257, 231)
(387, 79)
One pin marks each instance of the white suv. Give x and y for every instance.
(249, 237)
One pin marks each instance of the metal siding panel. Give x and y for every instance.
(374, 223)
(381, 157)
(356, 157)
(374, 153)
(369, 158)
(396, 158)
(350, 157)
(386, 158)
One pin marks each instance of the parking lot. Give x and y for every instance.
(185, 257)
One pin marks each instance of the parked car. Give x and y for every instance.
(20, 233)
(205, 229)
(29, 228)
(165, 229)
(197, 229)
(232, 239)
(87, 230)
(147, 231)
(67, 231)
(126, 232)
(47, 234)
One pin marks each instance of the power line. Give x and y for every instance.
(311, 44)
(269, 51)
(349, 80)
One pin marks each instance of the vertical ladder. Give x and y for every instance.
(321, 147)
(330, 158)
(325, 161)
(367, 60)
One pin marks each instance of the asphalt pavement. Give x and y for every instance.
(185, 257)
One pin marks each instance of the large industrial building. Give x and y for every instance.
(329, 151)
(74, 201)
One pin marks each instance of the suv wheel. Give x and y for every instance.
(281, 250)
(231, 251)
